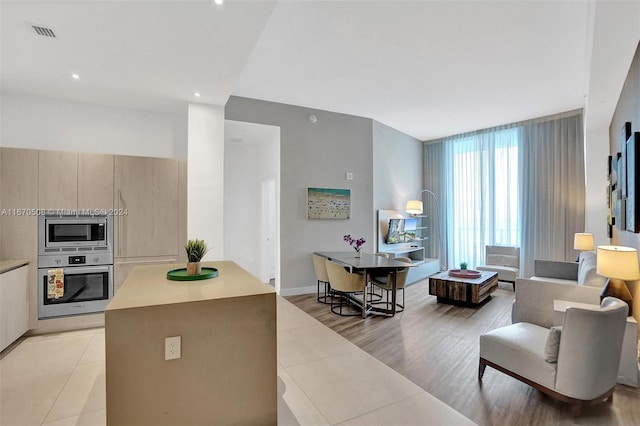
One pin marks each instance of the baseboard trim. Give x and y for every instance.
(298, 290)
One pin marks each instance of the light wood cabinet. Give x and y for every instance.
(14, 305)
(19, 192)
(57, 180)
(69, 180)
(182, 212)
(147, 188)
(95, 181)
(153, 190)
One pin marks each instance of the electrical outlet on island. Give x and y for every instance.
(172, 348)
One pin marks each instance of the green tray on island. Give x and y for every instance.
(180, 274)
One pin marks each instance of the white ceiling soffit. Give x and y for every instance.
(427, 68)
(236, 132)
(141, 54)
(616, 33)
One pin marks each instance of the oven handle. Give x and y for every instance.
(75, 270)
(135, 262)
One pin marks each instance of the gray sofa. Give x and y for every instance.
(581, 273)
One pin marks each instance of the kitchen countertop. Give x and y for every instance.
(8, 265)
(148, 286)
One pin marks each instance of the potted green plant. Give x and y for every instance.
(463, 267)
(196, 250)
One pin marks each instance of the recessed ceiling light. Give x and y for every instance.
(196, 94)
(218, 1)
(75, 76)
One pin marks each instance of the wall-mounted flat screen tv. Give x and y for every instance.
(402, 231)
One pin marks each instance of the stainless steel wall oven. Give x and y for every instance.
(75, 264)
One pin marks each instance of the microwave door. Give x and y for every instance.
(68, 233)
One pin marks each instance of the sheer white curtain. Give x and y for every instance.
(521, 184)
(482, 188)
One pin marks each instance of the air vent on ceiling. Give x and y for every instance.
(43, 31)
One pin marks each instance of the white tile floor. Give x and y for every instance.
(323, 379)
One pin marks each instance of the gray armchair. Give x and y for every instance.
(505, 260)
(577, 364)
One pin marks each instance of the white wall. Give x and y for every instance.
(247, 164)
(54, 124)
(596, 152)
(205, 176)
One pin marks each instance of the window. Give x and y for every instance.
(483, 199)
(521, 184)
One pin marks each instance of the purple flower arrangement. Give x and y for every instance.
(356, 244)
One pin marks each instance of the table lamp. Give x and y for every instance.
(618, 264)
(582, 241)
(414, 207)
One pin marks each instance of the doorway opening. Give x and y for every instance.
(252, 199)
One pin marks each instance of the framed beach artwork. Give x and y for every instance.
(327, 203)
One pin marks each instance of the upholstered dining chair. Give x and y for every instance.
(576, 363)
(344, 283)
(323, 278)
(372, 288)
(386, 282)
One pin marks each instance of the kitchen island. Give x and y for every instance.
(227, 370)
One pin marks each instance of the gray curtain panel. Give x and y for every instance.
(552, 189)
(435, 181)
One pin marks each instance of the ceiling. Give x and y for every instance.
(427, 68)
(141, 54)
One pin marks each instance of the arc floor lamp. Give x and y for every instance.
(416, 207)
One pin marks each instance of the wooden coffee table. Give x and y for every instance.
(470, 291)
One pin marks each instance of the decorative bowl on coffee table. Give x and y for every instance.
(464, 273)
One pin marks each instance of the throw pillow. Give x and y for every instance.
(552, 346)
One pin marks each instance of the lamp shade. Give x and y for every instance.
(618, 262)
(414, 207)
(583, 241)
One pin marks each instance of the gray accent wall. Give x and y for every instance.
(398, 168)
(315, 155)
(627, 109)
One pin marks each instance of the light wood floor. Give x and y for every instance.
(436, 346)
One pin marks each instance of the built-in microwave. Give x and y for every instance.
(74, 233)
